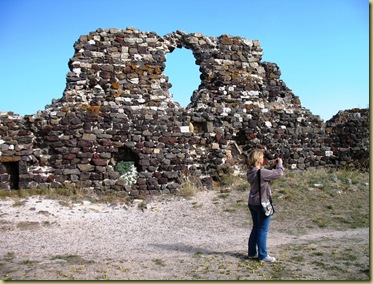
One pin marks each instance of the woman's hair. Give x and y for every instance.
(254, 157)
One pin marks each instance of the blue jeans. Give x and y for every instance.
(258, 236)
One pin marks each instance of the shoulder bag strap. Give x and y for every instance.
(260, 188)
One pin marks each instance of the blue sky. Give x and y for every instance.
(321, 46)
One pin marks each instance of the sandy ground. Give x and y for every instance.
(170, 238)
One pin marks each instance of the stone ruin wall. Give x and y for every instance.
(117, 107)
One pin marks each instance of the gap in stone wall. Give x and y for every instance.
(127, 165)
(12, 170)
(183, 73)
(125, 154)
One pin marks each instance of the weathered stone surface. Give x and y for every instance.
(117, 107)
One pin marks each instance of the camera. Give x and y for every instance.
(271, 159)
(268, 156)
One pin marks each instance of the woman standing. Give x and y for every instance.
(257, 246)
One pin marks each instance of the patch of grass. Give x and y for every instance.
(9, 255)
(66, 195)
(72, 259)
(198, 254)
(18, 203)
(28, 225)
(189, 187)
(323, 197)
(320, 198)
(159, 262)
(28, 262)
(230, 210)
(223, 195)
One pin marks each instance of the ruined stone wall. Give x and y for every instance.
(117, 107)
(348, 137)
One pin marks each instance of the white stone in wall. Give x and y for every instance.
(261, 70)
(244, 95)
(289, 111)
(215, 146)
(268, 124)
(116, 55)
(89, 137)
(184, 129)
(156, 86)
(201, 105)
(151, 39)
(253, 93)
(134, 80)
(328, 153)
(148, 57)
(248, 42)
(97, 54)
(97, 88)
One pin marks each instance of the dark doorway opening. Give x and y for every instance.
(12, 170)
(128, 155)
(127, 165)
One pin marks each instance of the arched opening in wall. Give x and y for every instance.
(183, 73)
(127, 165)
(10, 174)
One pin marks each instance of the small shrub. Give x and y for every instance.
(127, 171)
(188, 187)
(225, 175)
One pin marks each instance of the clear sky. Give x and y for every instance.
(321, 46)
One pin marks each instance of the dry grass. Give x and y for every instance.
(322, 198)
(305, 201)
(66, 195)
(189, 187)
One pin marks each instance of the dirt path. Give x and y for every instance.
(170, 239)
